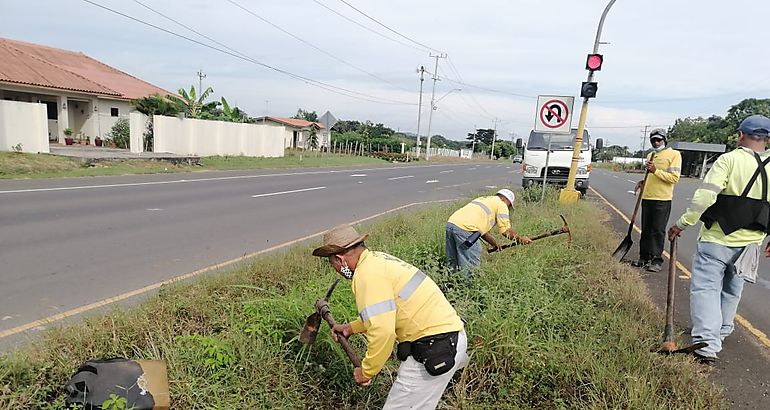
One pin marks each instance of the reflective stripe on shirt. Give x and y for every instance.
(377, 309)
(412, 285)
(484, 207)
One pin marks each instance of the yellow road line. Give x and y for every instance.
(760, 335)
(148, 288)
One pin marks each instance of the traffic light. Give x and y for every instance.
(594, 62)
(588, 89)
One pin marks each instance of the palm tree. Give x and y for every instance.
(312, 138)
(191, 103)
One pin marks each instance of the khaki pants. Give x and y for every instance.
(414, 388)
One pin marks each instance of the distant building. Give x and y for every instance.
(297, 131)
(80, 93)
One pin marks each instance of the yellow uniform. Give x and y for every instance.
(729, 176)
(396, 301)
(482, 214)
(660, 184)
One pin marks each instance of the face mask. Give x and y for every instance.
(660, 148)
(345, 270)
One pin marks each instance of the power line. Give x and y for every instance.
(313, 46)
(390, 29)
(367, 28)
(328, 87)
(470, 94)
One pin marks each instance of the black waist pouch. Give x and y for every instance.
(437, 352)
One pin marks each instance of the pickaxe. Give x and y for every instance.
(313, 324)
(563, 229)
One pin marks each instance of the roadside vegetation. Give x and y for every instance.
(19, 165)
(614, 166)
(549, 325)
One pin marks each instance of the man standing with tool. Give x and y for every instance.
(397, 302)
(664, 165)
(733, 205)
(475, 220)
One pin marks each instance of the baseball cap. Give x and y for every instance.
(508, 194)
(758, 125)
(658, 133)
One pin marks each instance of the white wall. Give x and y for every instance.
(187, 136)
(23, 123)
(137, 123)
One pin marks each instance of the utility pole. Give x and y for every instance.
(432, 101)
(419, 108)
(494, 136)
(644, 138)
(201, 76)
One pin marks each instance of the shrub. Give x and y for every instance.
(120, 133)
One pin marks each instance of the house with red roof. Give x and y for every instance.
(297, 132)
(79, 92)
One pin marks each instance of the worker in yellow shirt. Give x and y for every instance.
(733, 205)
(664, 165)
(476, 220)
(397, 302)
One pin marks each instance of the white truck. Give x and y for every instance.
(559, 160)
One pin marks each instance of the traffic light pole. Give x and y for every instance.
(569, 195)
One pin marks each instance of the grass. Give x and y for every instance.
(614, 166)
(550, 327)
(19, 165)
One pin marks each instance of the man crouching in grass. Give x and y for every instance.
(397, 302)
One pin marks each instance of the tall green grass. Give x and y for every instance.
(550, 326)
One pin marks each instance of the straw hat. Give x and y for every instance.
(338, 239)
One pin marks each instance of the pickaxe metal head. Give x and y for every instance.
(313, 322)
(566, 229)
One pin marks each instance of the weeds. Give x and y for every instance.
(549, 327)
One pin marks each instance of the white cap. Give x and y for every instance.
(508, 194)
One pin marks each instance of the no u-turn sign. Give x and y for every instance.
(554, 114)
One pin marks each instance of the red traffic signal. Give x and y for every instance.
(594, 62)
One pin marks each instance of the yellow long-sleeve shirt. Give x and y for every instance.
(729, 175)
(668, 167)
(396, 301)
(482, 214)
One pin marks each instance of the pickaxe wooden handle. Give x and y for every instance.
(322, 307)
(562, 230)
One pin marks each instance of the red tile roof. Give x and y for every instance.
(36, 65)
(293, 122)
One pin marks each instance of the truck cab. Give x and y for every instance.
(559, 159)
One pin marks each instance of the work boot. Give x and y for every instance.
(654, 267)
(640, 263)
(704, 360)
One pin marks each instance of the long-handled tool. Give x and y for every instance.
(627, 242)
(563, 229)
(669, 342)
(313, 324)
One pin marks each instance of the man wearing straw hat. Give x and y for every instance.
(397, 302)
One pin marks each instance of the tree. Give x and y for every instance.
(191, 103)
(311, 116)
(716, 129)
(312, 138)
(233, 114)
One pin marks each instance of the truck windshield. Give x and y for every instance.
(538, 141)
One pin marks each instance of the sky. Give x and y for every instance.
(664, 59)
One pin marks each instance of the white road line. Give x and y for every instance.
(633, 182)
(614, 176)
(403, 177)
(447, 171)
(235, 177)
(154, 209)
(490, 187)
(471, 169)
(289, 192)
(431, 181)
(358, 175)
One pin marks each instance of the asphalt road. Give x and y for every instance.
(68, 243)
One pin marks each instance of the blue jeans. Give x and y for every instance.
(461, 257)
(715, 292)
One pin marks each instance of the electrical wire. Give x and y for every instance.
(313, 46)
(390, 29)
(369, 29)
(328, 87)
